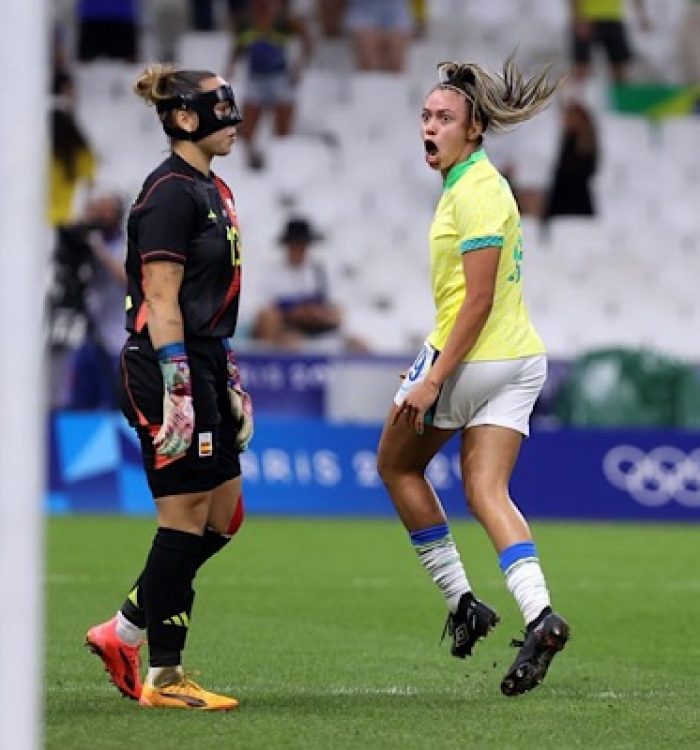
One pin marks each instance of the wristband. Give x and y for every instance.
(168, 352)
(175, 368)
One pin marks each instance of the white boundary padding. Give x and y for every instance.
(23, 66)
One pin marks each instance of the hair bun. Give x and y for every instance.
(456, 74)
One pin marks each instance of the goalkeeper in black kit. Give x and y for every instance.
(180, 385)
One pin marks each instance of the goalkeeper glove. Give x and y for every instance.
(175, 435)
(240, 401)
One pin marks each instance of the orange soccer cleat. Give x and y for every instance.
(184, 693)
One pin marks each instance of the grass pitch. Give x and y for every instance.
(327, 632)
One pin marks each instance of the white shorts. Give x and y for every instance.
(499, 392)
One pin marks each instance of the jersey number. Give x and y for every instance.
(517, 259)
(235, 241)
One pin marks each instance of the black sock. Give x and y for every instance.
(133, 610)
(167, 595)
(212, 542)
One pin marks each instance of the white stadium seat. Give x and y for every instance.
(626, 277)
(207, 50)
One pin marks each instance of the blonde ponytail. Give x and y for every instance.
(499, 101)
(155, 83)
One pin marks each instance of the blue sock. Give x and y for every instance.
(516, 552)
(525, 579)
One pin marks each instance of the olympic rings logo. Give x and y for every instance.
(655, 478)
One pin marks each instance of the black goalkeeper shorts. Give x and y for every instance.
(212, 458)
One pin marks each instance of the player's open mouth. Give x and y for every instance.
(431, 152)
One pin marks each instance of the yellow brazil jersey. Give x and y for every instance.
(601, 10)
(477, 210)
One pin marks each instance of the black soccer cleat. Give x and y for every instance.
(472, 620)
(536, 653)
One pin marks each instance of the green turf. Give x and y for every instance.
(327, 632)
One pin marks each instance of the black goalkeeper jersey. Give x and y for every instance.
(183, 216)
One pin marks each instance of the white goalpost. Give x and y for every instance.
(23, 62)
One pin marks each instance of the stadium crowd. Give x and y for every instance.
(346, 155)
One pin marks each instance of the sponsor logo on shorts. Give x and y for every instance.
(417, 367)
(206, 446)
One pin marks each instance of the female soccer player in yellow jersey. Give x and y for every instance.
(479, 371)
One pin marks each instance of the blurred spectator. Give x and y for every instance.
(381, 32)
(601, 23)
(107, 29)
(330, 14)
(298, 311)
(63, 89)
(570, 193)
(72, 160)
(95, 364)
(690, 43)
(272, 76)
(59, 49)
(203, 17)
(526, 157)
(419, 9)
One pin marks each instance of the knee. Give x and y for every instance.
(394, 472)
(478, 491)
(184, 512)
(386, 467)
(484, 492)
(473, 502)
(199, 508)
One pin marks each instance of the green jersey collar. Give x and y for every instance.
(461, 167)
